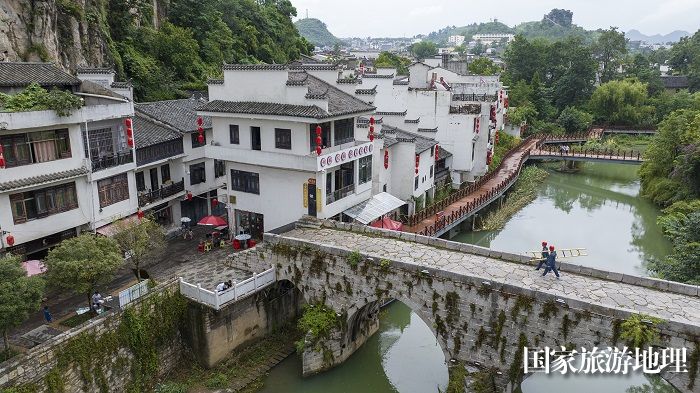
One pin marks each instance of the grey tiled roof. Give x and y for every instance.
(428, 129)
(179, 114)
(314, 67)
(121, 85)
(444, 153)
(416, 121)
(45, 74)
(149, 132)
(42, 179)
(378, 76)
(380, 113)
(401, 82)
(264, 108)
(371, 91)
(349, 81)
(95, 70)
(393, 135)
(215, 82)
(255, 67)
(675, 82)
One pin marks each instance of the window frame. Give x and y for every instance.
(234, 134)
(195, 140)
(117, 190)
(197, 169)
(283, 138)
(364, 173)
(244, 181)
(219, 168)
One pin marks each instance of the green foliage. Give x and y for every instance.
(354, 259)
(505, 144)
(316, 32)
(140, 239)
(36, 98)
(685, 60)
(217, 381)
(525, 113)
(388, 59)
(548, 310)
(457, 377)
(483, 66)
(171, 387)
(622, 102)
(384, 265)
(640, 330)
(423, 49)
(83, 263)
(19, 294)
(681, 224)
(574, 120)
(318, 320)
(556, 25)
(609, 50)
(643, 69)
(441, 36)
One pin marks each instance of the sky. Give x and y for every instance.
(406, 18)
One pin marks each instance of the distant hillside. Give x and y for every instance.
(316, 32)
(468, 31)
(674, 36)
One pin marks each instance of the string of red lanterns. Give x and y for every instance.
(371, 129)
(477, 124)
(495, 139)
(417, 162)
(214, 202)
(319, 140)
(200, 130)
(129, 132)
(10, 240)
(437, 152)
(2, 157)
(386, 159)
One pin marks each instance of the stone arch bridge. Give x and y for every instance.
(484, 306)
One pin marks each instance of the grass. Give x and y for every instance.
(189, 376)
(622, 142)
(524, 191)
(8, 354)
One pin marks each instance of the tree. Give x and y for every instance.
(609, 51)
(479, 48)
(83, 263)
(523, 58)
(572, 72)
(483, 66)
(387, 59)
(523, 113)
(19, 294)
(423, 49)
(684, 262)
(640, 68)
(684, 59)
(574, 120)
(141, 240)
(621, 103)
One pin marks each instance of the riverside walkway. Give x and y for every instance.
(441, 217)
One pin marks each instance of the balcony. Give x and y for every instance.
(160, 151)
(101, 163)
(147, 198)
(340, 194)
(475, 97)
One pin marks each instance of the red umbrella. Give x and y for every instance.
(388, 223)
(212, 221)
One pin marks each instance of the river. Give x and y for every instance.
(598, 208)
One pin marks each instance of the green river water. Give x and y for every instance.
(597, 208)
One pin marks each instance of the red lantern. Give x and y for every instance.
(437, 152)
(189, 196)
(319, 140)
(2, 157)
(505, 102)
(371, 132)
(318, 150)
(139, 214)
(214, 202)
(386, 159)
(493, 113)
(129, 132)
(371, 120)
(10, 240)
(495, 140)
(200, 121)
(477, 125)
(200, 138)
(417, 162)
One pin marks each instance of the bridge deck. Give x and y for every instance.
(623, 157)
(633, 298)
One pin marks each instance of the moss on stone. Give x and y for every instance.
(548, 310)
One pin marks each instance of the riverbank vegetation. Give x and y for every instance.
(524, 191)
(505, 144)
(553, 88)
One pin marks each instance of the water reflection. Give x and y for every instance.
(597, 208)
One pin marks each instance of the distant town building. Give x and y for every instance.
(456, 40)
(490, 39)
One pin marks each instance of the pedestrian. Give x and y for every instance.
(545, 255)
(551, 263)
(97, 301)
(221, 287)
(47, 315)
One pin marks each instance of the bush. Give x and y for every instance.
(318, 320)
(574, 120)
(171, 387)
(36, 98)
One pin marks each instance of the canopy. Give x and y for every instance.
(34, 267)
(388, 223)
(212, 221)
(375, 207)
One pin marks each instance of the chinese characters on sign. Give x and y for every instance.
(604, 361)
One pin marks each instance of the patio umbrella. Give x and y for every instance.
(185, 219)
(212, 221)
(33, 267)
(388, 223)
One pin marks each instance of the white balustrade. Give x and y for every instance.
(239, 290)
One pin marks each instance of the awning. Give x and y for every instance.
(374, 207)
(110, 230)
(387, 223)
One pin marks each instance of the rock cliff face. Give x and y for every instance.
(71, 33)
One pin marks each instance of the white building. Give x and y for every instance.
(264, 121)
(456, 40)
(489, 39)
(62, 174)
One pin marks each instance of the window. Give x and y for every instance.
(35, 147)
(365, 169)
(233, 134)
(198, 173)
(344, 131)
(255, 138)
(101, 143)
(195, 140)
(112, 190)
(432, 151)
(415, 184)
(165, 173)
(219, 168)
(140, 182)
(283, 138)
(30, 205)
(245, 181)
(431, 171)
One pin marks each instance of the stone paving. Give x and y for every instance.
(669, 306)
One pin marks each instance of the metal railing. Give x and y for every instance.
(216, 299)
(340, 194)
(161, 193)
(100, 163)
(132, 293)
(475, 97)
(581, 152)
